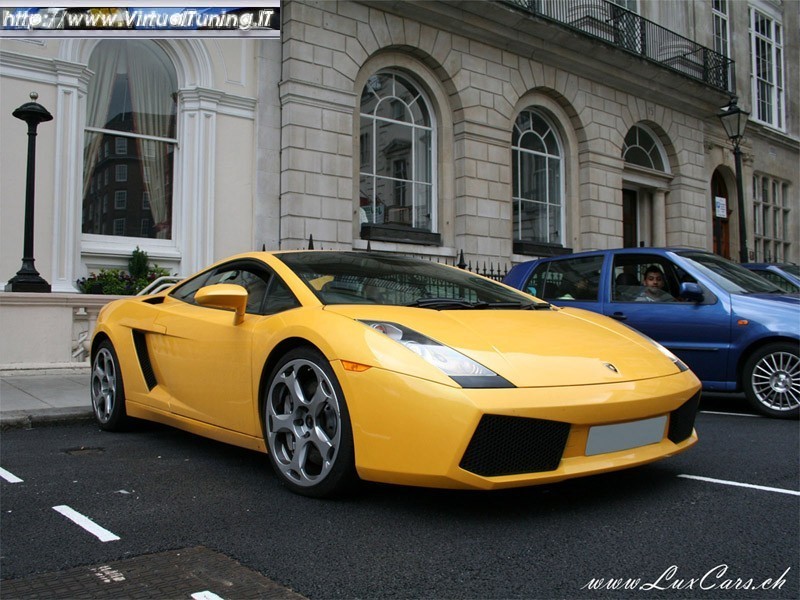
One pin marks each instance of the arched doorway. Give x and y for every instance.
(720, 209)
(646, 182)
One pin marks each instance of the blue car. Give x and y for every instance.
(785, 276)
(734, 329)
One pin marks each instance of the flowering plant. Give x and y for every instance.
(120, 282)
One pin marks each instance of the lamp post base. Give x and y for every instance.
(27, 279)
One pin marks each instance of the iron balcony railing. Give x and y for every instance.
(628, 31)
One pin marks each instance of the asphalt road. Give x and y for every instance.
(651, 529)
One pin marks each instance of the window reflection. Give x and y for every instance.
(129, 142)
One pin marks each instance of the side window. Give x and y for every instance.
(644, 278)
(279, 297)
(253, 280)
(650, 278)
(571, 279)
(187, 290)
(779, 281)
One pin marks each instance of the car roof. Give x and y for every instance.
(637, 250)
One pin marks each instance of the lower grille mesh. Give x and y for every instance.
(505, 445)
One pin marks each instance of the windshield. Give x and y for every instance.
(728, 275)
(366, 278)
(792, 269)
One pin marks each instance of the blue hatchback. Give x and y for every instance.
(734, 329)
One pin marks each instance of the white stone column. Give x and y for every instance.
(659, 217)
(72, 81)
(194, 231)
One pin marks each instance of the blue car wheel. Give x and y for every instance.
(771, 380)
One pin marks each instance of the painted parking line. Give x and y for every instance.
(104, 535)
(729, 414)
(762, 488)
(206, 595)
(9, 477)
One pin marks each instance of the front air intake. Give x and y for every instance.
(681, 420)
(504, 445)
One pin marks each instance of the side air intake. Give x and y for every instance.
(140, 342)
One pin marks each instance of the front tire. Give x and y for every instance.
(107, 389)
(771, 380)
(307, 426)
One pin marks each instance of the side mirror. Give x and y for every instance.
(691, 291)
(226, 296)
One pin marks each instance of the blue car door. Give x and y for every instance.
(699, 333)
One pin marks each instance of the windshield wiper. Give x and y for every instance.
(457, 303)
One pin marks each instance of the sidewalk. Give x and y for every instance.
(28, 399)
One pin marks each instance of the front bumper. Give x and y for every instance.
(415, 432)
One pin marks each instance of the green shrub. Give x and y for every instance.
(119, 282)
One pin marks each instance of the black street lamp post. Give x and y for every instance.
(734, 121)
(27, 278)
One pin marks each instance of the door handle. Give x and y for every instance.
(618, 316)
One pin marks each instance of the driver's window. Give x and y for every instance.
(643, 278)
(649, 278)
(255, 282)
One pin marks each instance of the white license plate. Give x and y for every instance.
(623, 436)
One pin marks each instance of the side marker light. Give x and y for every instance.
(354, 366)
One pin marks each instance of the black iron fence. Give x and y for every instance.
(496, 271)
(628, 31)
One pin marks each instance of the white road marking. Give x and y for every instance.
(206, 595)
(745, 485)
(9, 477)
(104, 535)
(728, 414)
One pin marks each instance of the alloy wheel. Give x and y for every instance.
(303, 422)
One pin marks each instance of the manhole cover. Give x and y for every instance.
(197, 573)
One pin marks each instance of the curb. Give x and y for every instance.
(28, 419)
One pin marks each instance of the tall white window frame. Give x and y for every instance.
(536, 144)
(397, 176)
(153, 115)
(771, 218)
(767, 69)
(719, 12)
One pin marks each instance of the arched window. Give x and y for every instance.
(537, 180)
(129, 141)
(642, 149)
(396, 179)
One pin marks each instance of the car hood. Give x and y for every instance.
(533, 348)
(786, 298)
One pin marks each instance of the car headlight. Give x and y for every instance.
(460, 368)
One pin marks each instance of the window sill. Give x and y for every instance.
(539, 249)
(393, 233)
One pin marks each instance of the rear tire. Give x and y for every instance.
(771, 380)
(107, 389)
(307, 426)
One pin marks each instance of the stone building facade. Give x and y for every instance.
(505, 130)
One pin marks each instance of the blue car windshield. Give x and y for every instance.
(370, 278)
(728, 275)
(792, 269)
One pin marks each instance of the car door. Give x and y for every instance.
(205, 360)
(699, 333)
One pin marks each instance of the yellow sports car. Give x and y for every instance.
(348, 365)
